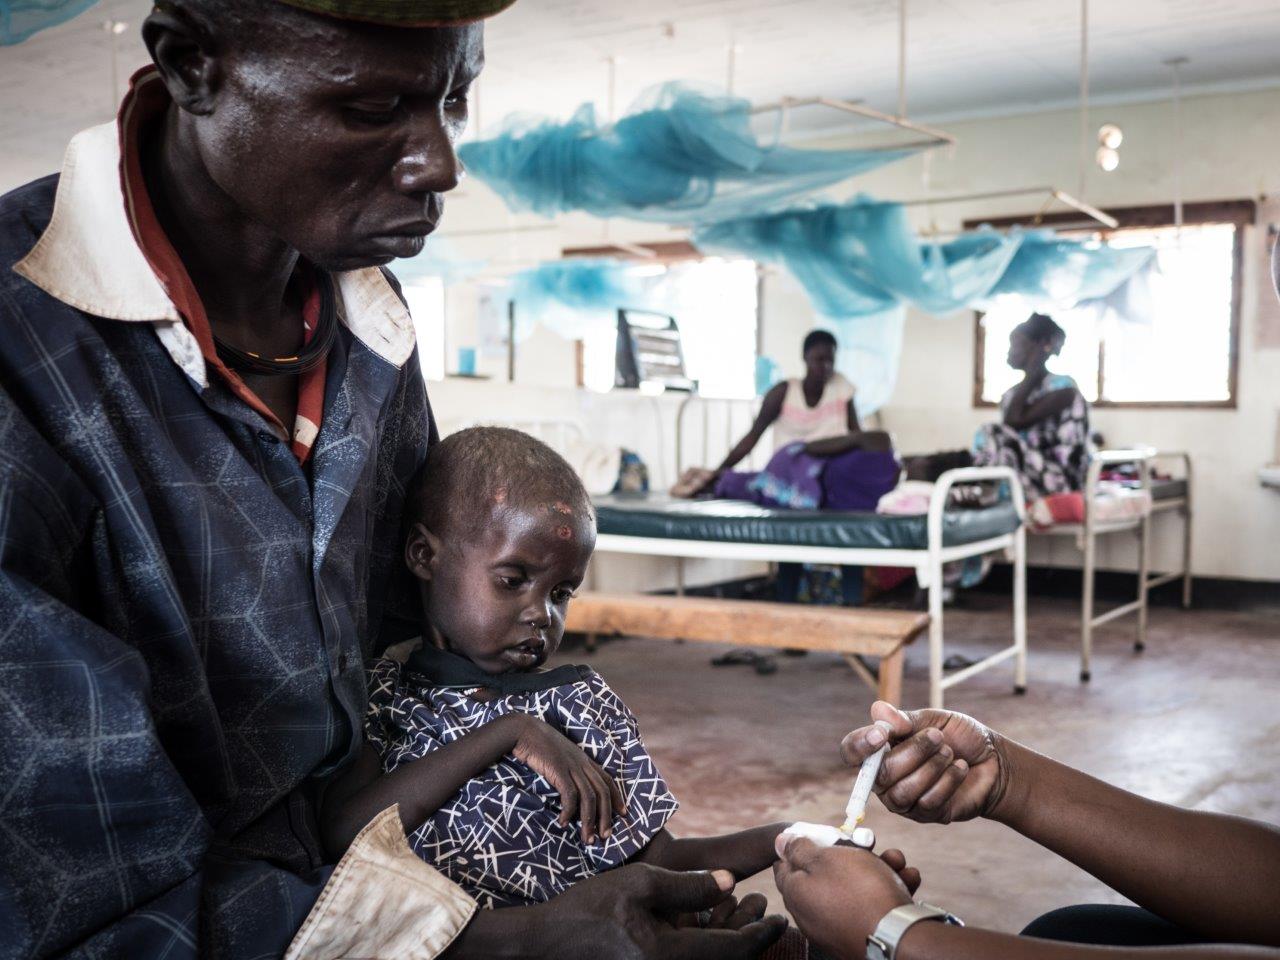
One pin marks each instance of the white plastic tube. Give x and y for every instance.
(856, 810)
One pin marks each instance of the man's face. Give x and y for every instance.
(340, 138)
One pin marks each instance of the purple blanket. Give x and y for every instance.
(794, 480)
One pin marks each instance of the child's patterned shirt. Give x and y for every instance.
(499, 838)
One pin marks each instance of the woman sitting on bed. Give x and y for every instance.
(849, 472)
(1043, 431)
(800, 410)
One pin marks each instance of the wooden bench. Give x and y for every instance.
(849, 631)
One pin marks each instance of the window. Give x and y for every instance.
(714, 304)
(426, 304)
(1181, 352)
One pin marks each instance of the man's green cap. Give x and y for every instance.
(405, 13)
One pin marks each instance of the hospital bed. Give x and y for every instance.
(1168, 497)
(657, 525)
(660, 526)
(745, 531)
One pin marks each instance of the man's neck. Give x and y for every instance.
(241, 272)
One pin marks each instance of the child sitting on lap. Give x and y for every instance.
(492, 758)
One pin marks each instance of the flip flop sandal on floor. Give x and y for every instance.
(762, 664)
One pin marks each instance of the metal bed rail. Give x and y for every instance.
(936, 558)
(1086, 537)
(1182, 505)
(732, 431)
(928, 563)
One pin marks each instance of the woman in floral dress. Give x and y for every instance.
(1043, 431)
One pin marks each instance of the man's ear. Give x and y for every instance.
(421, 552)
(183, 47)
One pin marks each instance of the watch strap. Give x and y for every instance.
(893, 926)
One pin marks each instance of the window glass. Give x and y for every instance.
(426, 304)
(714, 304)
(1178, 349)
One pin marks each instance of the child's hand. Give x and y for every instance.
(578, 779)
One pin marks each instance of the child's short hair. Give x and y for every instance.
(467, 473)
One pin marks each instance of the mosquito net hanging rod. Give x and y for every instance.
(933, 137)
(1052, 195)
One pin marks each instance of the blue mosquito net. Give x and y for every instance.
(573, 297)
(1051, 271)
(19, 19)
(861, 263)
(679, 156)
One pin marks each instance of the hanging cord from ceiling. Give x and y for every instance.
(902, 59)
(1086, 150)
(1176, 64)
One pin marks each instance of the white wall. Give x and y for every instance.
(1231, 151)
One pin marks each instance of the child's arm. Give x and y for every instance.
(425, 785)
(743, 854)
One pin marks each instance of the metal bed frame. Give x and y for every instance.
(1086, 539)
(927, 562)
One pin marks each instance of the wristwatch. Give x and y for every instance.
(883, 944)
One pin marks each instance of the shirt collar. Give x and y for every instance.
(445, 669)
(89, 259)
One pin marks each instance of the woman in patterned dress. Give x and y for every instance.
(1043, 431)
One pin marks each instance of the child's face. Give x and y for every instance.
(498, 595)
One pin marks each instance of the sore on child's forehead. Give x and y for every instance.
(570, 518)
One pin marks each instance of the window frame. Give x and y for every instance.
(1239, 213)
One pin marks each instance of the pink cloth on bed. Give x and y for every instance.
(1114, 503)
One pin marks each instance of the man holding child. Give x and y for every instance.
(210, 412)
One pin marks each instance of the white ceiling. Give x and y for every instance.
(965, 57)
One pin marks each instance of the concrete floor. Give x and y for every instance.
(1192, 721)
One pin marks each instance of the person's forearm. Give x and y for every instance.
(743, 854)
(496, 934)
(871, 440)
(934, 941)
(1214, 875)
(1021, 412)
(735, 456)
(423, 786)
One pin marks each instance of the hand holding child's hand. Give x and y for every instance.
(837, 895)
(582, 785)
(943, 766)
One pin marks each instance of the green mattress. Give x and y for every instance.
(658, 516)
